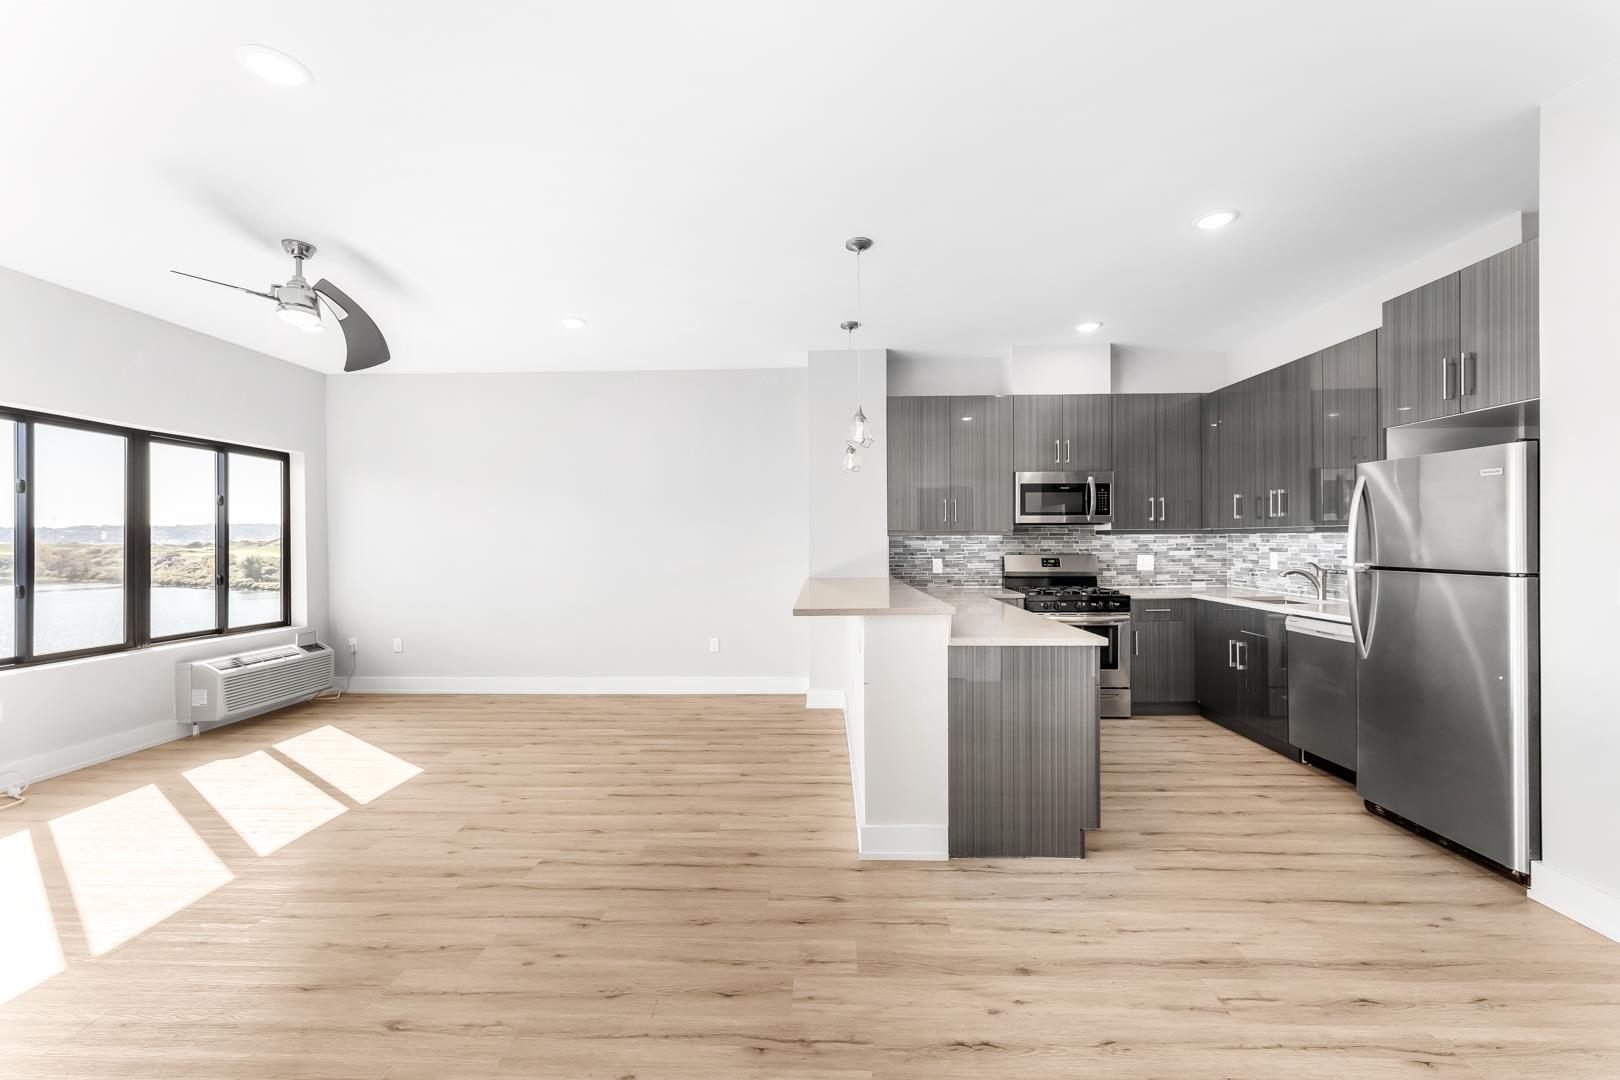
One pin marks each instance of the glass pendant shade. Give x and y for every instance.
(852, 458)
(860, 429)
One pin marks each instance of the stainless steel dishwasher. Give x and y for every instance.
(1322, 690)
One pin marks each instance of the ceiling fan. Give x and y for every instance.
(298, 302)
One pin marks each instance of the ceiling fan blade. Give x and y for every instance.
(367, 348)
(228, 285)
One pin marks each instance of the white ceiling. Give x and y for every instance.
(684, 175)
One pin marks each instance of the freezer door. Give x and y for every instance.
(1447, 707)
(1461, 510)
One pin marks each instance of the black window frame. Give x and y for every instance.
(137, 537)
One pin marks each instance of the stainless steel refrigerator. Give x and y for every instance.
(1444, 607)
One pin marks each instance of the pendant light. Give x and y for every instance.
(860, 428)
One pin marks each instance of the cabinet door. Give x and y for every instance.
(1164, 634)
(1180, 445)
(1344, 400)
(1039, 425)
(1290, 457)
(919, 464)
(1418, 352)
(1216, 680)
(1136, 461)
(1500, 315)
(1088, 436)
(981, 464)
(1236, 439)
(1210, 466)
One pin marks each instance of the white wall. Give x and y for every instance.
(1362, 309)
(848, 513)
(1143, 369)
(1024, 369)
(1580, 519)
(574, 532)
(67, 353)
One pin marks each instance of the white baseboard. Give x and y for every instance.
(909, 843)
(676, 684)
(824, 699)
(1575, 899)
(95, 751)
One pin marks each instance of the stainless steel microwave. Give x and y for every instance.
(1064, 498)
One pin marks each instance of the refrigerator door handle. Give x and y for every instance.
(1358, 498)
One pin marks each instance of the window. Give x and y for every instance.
(184, 517)
(255, 526)
(8, 543)
(113, 539)
(77, 506)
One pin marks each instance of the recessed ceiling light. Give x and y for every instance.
(1219, 219)
(1088, 327)
(273, 65)
(573, 322)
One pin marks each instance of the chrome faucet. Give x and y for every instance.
(1318, 580)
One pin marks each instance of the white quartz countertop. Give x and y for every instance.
(982, 619)
(865, 596)
(978, 615)
(1304, 606)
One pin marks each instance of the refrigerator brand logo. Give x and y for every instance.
(1490, 472)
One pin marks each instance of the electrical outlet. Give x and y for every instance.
(354, 645)
(939, 566)
(1144, 563)
(399, 644)
(1276, 560)
(714, 644)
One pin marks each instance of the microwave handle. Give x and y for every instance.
(1091, 505)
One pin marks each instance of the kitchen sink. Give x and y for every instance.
(1277, 598)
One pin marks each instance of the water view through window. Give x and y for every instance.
(78, 502)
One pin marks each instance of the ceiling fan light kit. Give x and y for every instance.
(298, 303)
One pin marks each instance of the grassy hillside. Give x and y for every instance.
(255, 564)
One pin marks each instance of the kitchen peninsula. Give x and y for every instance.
(972, 724)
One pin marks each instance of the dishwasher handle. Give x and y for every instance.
(1320, 628)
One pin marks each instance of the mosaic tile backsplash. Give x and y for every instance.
(1178, 558)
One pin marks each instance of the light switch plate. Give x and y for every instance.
(1144, 563)
(1276, 560)
(939, 566)
(714, 644)
(399, 644)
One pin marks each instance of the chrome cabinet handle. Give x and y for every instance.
(954, 517)
(1150, 510)
(1162, 518)
(1231, 650)
(1067, 459)
(944, 511)
(1057, 448)
(1445, 378)
(1137, 642)
(1282, 502)
(1235, 515)
(1468, 363)
(1271, 502)
(1243, 656)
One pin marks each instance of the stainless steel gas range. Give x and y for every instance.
(1064, 588)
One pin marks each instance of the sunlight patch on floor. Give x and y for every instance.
(267, 803)
(360, 770)
(29, 950)
(131, 862)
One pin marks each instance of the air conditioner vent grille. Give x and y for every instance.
(235, 687)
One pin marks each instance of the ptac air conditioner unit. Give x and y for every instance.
(236, 687)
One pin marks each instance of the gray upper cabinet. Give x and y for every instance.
(1500, 318)
(1344, 404)
(1157, 460)
(1417, 352)
(981, 464)
(1464, 342)
(1210, 463)
(950, 464)
(1063, 432)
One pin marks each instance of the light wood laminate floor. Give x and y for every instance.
(667, 887)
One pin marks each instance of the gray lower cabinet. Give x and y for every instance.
(1023, 751)
(1063, 432)
(1242, 672)
(1163, 638)
(950, 468)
